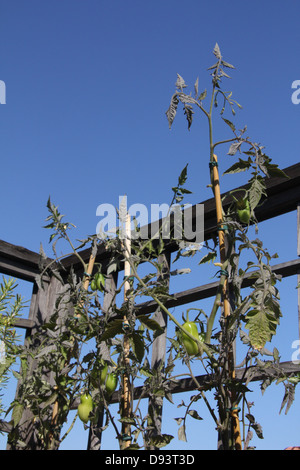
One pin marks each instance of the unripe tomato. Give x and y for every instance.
(111, 383)
(103, 374)
(190, 345)
(243, 210)
(100, 281)
(85, 407)
(93, 285)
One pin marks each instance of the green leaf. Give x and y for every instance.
(256, 426)
(183, 176)
(230, 124)
(149, 323)
(241, 165)
(261, 325)
(208, 258)
(146, 371)
(256, 191)
(194, 414)
(202, 96)
(115, 328)
(17, 413)
(50, 400)
(288, 398)
(161, 441)
(188, 111)
(137, 345)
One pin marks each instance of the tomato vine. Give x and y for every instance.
(123, 338)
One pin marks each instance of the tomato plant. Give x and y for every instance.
(122, 337)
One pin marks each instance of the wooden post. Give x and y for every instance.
(86, 281)
(159, 353)
(226, 297)
(95, 432)
(41, 308)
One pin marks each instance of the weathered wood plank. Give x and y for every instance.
(95, 431)
(17, 261)
(188, 385)
(159, 353)
(289, 268)
(41, 308)
(23, 323)
(283, 197)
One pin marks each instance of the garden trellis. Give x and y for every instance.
(283, 196)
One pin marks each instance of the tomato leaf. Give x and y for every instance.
(149, 323)
(172, 110)
(115, 328)
(137, 344)
(194, 414)
(161, 441)
(182, 434)
(241, 165)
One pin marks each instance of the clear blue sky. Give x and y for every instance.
(87, 87)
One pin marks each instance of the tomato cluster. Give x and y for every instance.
(98, 282)
(109, 381)
(243, 210)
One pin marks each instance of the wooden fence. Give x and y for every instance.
(21, 263)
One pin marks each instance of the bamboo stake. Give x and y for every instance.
(226, 302)
(126, 395)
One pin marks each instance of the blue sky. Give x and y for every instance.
(87, 87)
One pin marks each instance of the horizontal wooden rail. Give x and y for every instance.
(19, 262)
(286, 269)
(205, 291)
(283, 197)
(187, 385)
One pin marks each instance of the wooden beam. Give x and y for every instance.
(289, 268)
(155, 404)
(283, 196)
(188, 385)
(17, 261)
(25, 323)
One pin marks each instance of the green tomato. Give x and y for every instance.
(243, 210)
(190, 345)
(100, 281)
(103, 374)
(85, 407)
(93, 285)
(111, 383)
